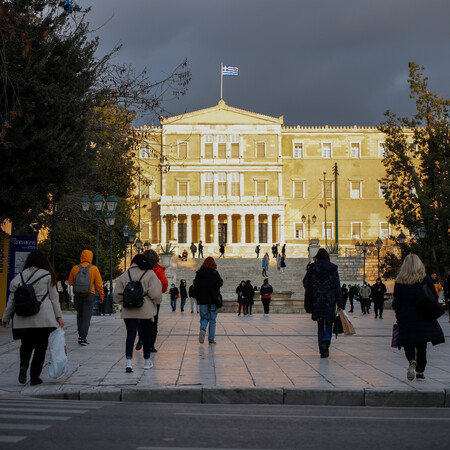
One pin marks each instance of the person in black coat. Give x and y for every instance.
(174, 294)
(322, 281)
(248, 292)
(240, 297)
(344, 291)
(447, 293)
(207, 287)
(415, 329)
(183, 294)
(377, 295)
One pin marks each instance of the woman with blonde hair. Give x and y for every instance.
(415, 329)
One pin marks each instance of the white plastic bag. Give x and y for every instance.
(58, 353)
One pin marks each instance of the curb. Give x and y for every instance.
(376, 397)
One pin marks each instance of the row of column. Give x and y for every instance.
(189, 237)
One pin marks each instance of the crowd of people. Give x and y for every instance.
(145, 282)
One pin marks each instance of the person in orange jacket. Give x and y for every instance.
(84, 299)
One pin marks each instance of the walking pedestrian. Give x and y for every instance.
(265, 266)
(344, 291)
(257, 250)
(322, 281)
(436, 283)
(153, 259)
(351, 295)
(141, 317)
(84, 278)
(274, 250)
(240, 298)
(34, 330)
(283, 264)
(222, 251)
(200, 249)
(415, 329)
(377, 294)
(192, 296)
(365, 292)
(283, 250)
(266, 296)
(447, 293)
(174, 294)
(193, 248)
(183, 294)
(248, 293)
(278, 262)
(207, 285)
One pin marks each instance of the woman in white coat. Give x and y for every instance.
(34, 330)
(143, 316)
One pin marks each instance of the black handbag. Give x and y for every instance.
(219, 301)
(337, 326)
(427, 302)
(308, 301)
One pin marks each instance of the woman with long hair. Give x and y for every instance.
(34, 330)
(207, 284)
(415, 329)
(322, 281)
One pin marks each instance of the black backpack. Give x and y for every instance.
(25, 300)
(133, 294)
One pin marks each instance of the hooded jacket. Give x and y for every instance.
(322, 280)
(94, 273)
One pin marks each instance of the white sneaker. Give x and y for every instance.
(129, 366)
(266, 315)
(201, 336)
(411, 370)
(148, 364)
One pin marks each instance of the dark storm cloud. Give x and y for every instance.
(315, 62)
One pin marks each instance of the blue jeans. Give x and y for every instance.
(183, 302)
(173, 303)
(324, 332)
(208, 315)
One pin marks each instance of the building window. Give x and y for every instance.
(381, 150)
(381, 189)
(209, 184)
(260, 149)
(208, 147)
(222, 147)
(145, 152)
(299, 191)
(384, 230)
(235, 185)
(222, 184)
(326, 149)
(146, 188)
(328, 229)
(182, 150)
(355, 150)
(329, 189)
(235, 146)
(355, 189)
(356, 230)
(260, 188)
(182, 232)
(183, 188)
(299, 230)
(298, 150)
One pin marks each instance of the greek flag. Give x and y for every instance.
(229, 71)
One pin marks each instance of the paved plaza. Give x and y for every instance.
(256, 360)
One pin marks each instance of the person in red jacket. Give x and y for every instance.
(153, 259)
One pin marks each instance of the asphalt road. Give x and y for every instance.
(78, 425)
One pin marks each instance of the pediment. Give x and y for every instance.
(222, 114)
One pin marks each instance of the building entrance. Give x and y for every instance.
(262, 233)
(222, 233)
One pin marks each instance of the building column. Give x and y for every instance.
(255, 229)
(229, 229)
(163, 231)
(175, 228)
(189, 228)
(281, 233)
(242, 228)
(202, 228)
(215, 229)
(269, 229)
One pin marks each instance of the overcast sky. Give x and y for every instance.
(316, 62)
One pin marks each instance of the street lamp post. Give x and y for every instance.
(310, 219)
(379, 245)
(126, 232)
(138, 245)
(325, 206)
(131, 237)
(364, 248)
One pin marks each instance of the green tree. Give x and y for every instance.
(417, 181)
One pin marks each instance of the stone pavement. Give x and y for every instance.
(256, 360)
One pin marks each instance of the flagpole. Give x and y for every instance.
(221, 80)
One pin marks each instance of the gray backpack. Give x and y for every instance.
(82, 283)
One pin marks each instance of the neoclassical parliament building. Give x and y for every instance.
(227, 175)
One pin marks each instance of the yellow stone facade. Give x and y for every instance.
(223, 174)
